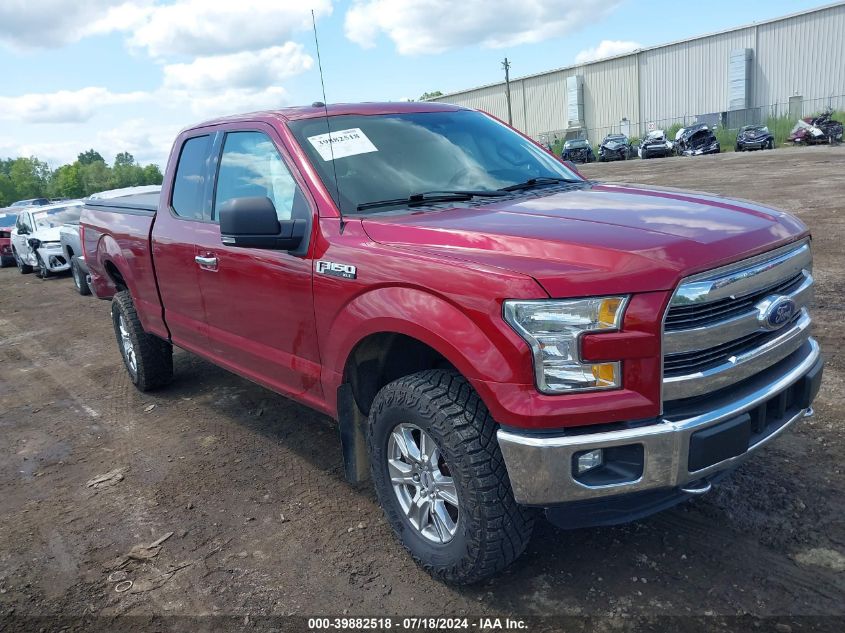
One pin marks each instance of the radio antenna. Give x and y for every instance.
(328, 126)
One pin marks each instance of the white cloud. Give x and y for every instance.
(64, 106)
(164, 30)
(30, 24)
(148, 142)
(205, 27)
(606, 48)
(225, 84)
(258, 69)
(433, 26)
(213, 104)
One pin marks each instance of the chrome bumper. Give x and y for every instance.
(541, 467)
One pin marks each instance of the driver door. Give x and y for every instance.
(20, 237)
(259, 306)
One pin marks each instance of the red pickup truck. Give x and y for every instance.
(495, 334)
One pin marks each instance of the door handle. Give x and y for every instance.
(206, 261)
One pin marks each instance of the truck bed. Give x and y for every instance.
(124, 238)
(139, 203)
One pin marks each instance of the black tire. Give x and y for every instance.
(23, 269)
(492, 529)
(153, 356)
(79, 278)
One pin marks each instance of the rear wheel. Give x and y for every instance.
(24, 269)
(79, 278)
(441, 479)
(148, 359)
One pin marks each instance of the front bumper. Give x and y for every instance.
(693, 441)
(55, 258)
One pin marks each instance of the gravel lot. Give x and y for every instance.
(251, 486)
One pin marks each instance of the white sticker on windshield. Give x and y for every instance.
(342, 143)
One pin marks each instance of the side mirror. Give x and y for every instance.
(252, 223)
(23, 231)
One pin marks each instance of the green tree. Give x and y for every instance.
(152, 175)
(67, 181)
(430, 95)
(29, 177)
(96, 177)
(90, 156)
(124, 159)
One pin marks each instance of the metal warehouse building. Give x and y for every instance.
(790, 66)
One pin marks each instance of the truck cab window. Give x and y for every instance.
(252, 167)
(189, 185)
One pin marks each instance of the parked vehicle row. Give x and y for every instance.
(699, 139)
(43, 237)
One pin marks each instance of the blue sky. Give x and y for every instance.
(127, 74)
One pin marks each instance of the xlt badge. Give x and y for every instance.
(345, 271)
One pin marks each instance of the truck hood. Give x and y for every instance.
(51, 234)
(596, 238)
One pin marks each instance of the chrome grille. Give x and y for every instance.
(689, 316)
(716, 332)
(699, 360)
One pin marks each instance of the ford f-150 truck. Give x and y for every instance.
(495, 334)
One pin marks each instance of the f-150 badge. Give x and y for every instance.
(345, 271)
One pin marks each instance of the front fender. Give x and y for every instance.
(479, 348)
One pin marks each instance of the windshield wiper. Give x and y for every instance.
(537, 182)
(429, 197)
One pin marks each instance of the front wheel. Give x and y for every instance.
(23, 269)
(148, 359)
(441, 479)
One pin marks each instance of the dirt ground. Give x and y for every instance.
(250, 484)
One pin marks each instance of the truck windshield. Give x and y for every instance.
(395, 156)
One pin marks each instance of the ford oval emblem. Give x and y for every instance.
(777, 312)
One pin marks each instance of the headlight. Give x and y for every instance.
(553, 329)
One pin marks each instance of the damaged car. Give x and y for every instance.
(752, 137)
(578, 150)
(7, 221)
(822, 128)
(615, 147)
(655, 145)
(696, 140)
(36, 238)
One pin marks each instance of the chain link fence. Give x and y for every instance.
(779, 117)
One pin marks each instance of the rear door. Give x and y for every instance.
(184, 215)
(259, 306)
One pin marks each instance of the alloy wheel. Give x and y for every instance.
(127, 346)
(423, 483)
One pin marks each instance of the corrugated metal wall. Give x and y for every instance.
(688, 78)
(803, 54)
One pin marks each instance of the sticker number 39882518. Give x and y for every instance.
(342, 143)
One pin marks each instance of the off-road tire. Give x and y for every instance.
(79, 278)
(493, 530)
(23, 269)
(154, 356)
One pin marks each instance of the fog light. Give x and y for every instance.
(589, 460)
